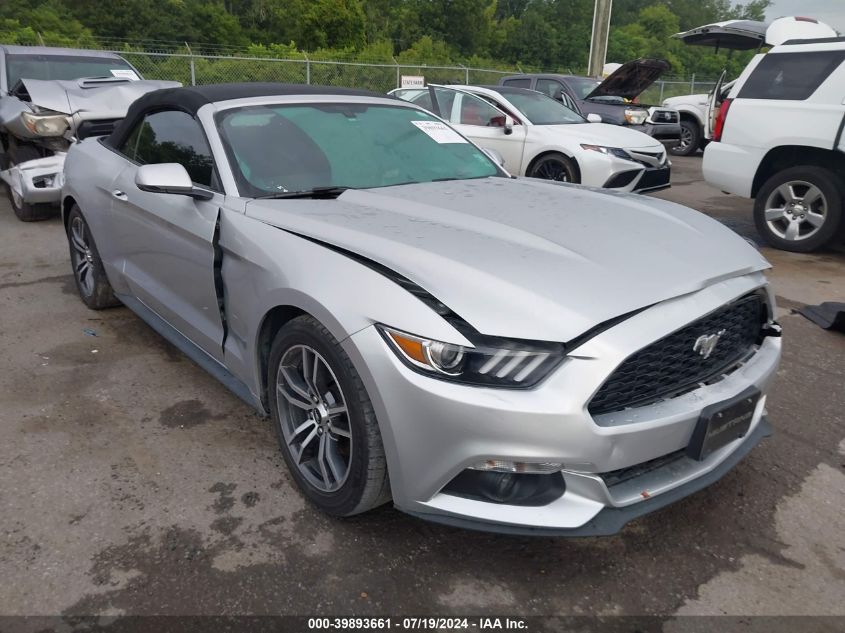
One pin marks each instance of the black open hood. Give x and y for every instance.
(631, 79)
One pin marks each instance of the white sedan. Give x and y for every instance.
(541, 138)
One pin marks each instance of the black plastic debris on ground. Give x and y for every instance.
(830, 315)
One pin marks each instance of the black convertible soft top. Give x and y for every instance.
(191, 98)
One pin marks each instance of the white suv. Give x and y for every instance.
(778, 138)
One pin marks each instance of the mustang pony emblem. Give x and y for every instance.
(706, 343)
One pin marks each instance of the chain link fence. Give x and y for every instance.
(375, 76)
(192, 69)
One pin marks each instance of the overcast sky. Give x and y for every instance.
(830, 11)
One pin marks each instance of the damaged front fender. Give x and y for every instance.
(37, 181)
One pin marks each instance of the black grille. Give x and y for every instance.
(670, 366)
(654, 178)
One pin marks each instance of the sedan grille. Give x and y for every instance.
(683, 361)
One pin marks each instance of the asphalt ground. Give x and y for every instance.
(131, 482)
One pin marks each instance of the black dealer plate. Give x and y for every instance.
(722, 423)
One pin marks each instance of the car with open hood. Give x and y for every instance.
(502, 353)
(539, 137)
(613, 99)
(49, 97)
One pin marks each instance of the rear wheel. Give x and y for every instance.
(554, 166)
(690, 139)
(25, 211)
(800, 209)
(325, 421)
(91, 281)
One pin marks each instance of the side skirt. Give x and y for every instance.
(192, 351)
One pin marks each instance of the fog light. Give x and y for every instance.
(519, 489)
(42, 182)
(507, 466)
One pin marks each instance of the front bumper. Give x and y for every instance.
(37, 181)
(641, 180)
(667, 133)
(619, 174)
(611, 520)
(433, 430)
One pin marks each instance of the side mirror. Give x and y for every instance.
(169, 178)
(508, 124)
(495, 156)
(594, 118)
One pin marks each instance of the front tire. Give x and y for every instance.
(690, 139)
(554, 166)
(800, 209)
(88, 272)
(325, 422)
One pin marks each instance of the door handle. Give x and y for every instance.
(117, 193)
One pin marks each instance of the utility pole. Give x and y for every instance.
(598, 42)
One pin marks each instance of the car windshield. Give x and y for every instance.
(275, 149)
(26, 66)
(542, 110)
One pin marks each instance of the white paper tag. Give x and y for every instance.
(125, 73)
(440, 132)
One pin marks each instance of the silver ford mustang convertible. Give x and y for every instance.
(506, 354)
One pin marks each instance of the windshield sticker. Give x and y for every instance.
(440, 132)
(125, 73)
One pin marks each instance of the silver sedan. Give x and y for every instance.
(492, 352)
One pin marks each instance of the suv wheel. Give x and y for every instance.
(800, 209)
(25, 211)
(690, 139)
(325, 421)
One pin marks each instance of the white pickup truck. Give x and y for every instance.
(49, 98)
(693, 109)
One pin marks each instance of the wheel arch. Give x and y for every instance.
(785, 156)
(686, 115)
(67, 205)
(273, 321)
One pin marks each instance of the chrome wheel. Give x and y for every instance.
(314, 418)
(796, 210)
(81, 256)
(686, 140)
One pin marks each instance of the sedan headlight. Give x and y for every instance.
(502, 363)
(45, 124)
(635, 117)
(610, 151)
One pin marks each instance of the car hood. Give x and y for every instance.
(696, 99)
(631, 79)
(107, 96)
(525, 258)
(604, 134)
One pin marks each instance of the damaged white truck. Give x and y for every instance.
(50, 97)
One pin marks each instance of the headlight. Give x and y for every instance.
(610, 151)
(635, 117)
(502, 363)
(45, 124)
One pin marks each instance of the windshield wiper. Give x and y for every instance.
(328, 193)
